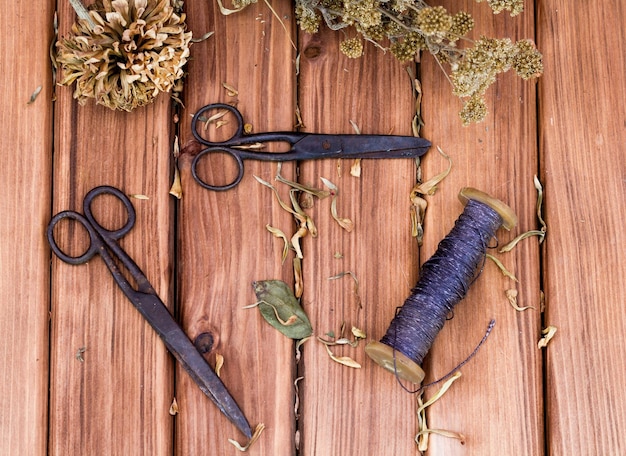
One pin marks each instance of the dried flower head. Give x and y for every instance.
(352, 47)
(126, 54)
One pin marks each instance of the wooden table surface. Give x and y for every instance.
(84, 374)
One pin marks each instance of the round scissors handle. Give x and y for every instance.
(94, 242)
(98, 235)
(201, 117)
(217, 150)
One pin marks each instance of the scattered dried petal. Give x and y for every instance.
(546, 336)
(174, 408)
(255, 436)
(219, 363)
(502, 268)
(430, 186)
(422, 436)
(34, 95)
(79, 354)
(279, 234)
(345, 360)
(176, 189)
(230, 90)
(511, 295)
(356, 284)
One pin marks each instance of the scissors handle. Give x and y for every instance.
(200, 116)
(217, 150)
(97, 233)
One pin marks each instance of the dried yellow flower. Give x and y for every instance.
(136, 49)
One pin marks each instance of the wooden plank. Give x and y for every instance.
(116, 400)
(345, 410)
(497, 404)
(581, 143)
(25, 169)
(223, 243)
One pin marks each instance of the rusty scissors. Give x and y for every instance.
(144, 297)
(304, 146)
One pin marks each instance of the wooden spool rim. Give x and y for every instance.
(405, 368)
(509, 219)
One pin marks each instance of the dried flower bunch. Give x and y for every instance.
(124, 52)
(406, 27)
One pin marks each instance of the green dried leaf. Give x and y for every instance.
(281, 309)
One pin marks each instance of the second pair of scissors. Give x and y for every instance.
(304, 146)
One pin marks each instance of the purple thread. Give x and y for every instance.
(445, 280)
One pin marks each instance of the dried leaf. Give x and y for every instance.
(511, 295)
(219, 363)
(174, 408)
(546, 336)
(139, 197)
(355, 169)
(281, 309)
(255, 436)
(502, 268)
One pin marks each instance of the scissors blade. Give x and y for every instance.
(362, 146)
(179, 345)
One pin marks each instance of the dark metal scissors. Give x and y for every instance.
(144, 298)
(304, 146)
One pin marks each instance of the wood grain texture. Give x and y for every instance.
(349, 411)
(582, 133)
(223, 243)
(25, 171)
(497, 404)
(116, 401)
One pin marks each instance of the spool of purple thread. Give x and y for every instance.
(444, 281)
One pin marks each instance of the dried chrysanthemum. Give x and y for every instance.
(129, 52)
